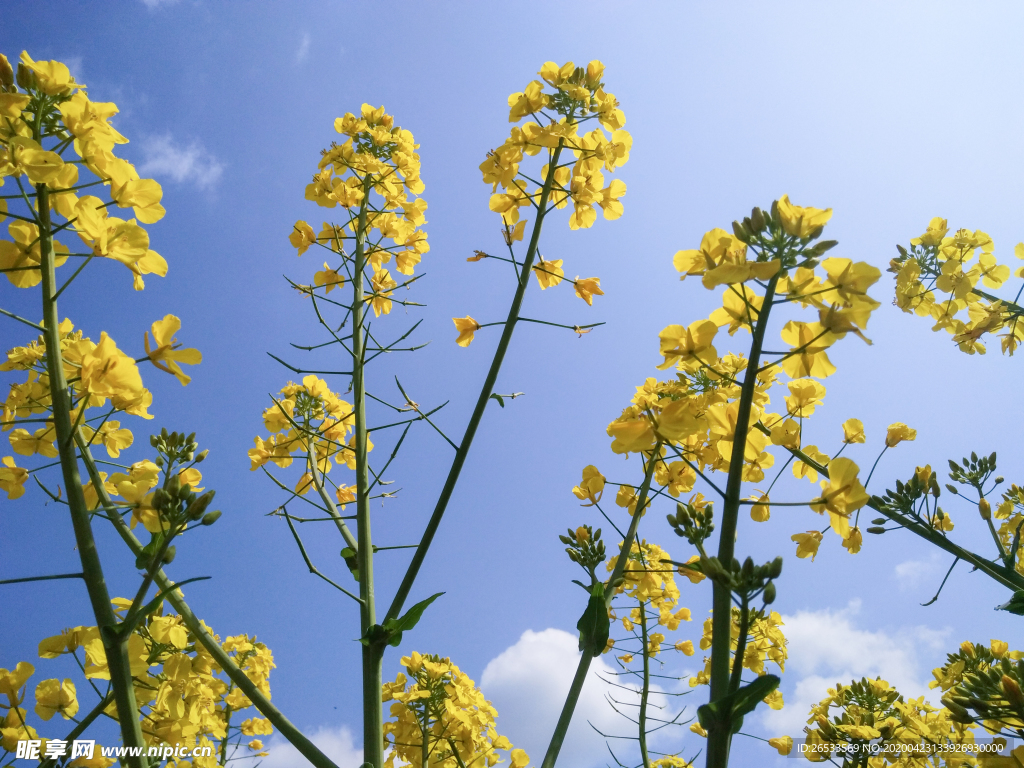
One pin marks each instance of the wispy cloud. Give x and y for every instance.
(527, 684)
(151, 4)
(337, 743)
(826, 647)
(193, 164)
(303, 51)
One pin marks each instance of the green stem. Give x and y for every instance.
(114, 645)
(741, 647)
(562, 726)
(719, 736)
(283, 725)
(646, 690)
(372, 652)
(481, 404)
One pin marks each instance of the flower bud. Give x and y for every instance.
(769, 593)
(26, 77)
(1000, 480)
(757, 222)
(6, 73)
(985, 509)
(202, 456)
(1012, 690)
(169, 555)
(775, 568)
(211, 517)
(876, 529)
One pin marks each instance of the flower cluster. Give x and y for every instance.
(49, 116)
(441, 718)
(867, 715)
(182, 695)
(103, 381)
(310, 422)
(772, 259)
(764, 642)
(945, 276)
(374, 176)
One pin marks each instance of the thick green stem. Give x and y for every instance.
(283, 725)
(645, 691)
(115, 646)
(565, 718)
(719, 736)
(485, 393)
(373, 651)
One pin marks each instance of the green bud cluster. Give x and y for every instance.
(692, 523)
(588, 551)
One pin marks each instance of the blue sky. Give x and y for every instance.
(888, 113)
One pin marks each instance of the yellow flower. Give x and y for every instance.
(853, 541)
(549, 273)
(108, 372)
(807, 543)
(51, 77)
(12, 478)
(853, 431)
(466, 326)
(53, 696)
(784, 744)
(699, 730)
(587, 288)
(302, 236)
(805, 395)
(689, 346)
(842, 495)
(165, 354)
(685, 647)
(801, 222)
(761, 511)
(328, 277)
(899, 432)
(937, 229)
(591, 487)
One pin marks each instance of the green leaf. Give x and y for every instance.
(731, 709)
(351, 561)
(748, 696)
(1015, 604)
(395, 627)
(593, 624)
(501, 401)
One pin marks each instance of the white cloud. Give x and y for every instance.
(151, 4)
(912, 574)
(826, 647)
(303, 51)
(194, 164)
(528, 682)
(337, 743)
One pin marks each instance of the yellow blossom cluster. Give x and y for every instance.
(873, 712)
(102, 378)
(310, 422)
(770, 260)
(181, 692)
(439, 717)
(948, 276)
(648, 580)
(577, 95)
(51, 101)
(374, 176)
(764, 642)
